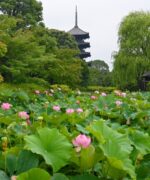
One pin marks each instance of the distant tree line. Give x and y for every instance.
(30, 52)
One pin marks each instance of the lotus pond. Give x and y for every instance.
(71, 135)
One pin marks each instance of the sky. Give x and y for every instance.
(101, 18)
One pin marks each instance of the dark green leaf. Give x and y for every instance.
(34, 174)
(26, 161)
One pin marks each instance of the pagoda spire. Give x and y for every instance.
(76, 17)
(80, 37)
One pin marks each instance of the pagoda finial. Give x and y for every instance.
(76, 17)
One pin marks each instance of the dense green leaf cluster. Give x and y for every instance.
(133, 58)
(99, 74)
(30, 52)
(28, 11)
(37, 54)
(120, 134)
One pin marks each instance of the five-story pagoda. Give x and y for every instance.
(80, 37)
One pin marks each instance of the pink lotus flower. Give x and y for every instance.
(37, 92)
(23, 115)
(93, 97)
(79, 110)
(81, 141)
(46, 92)
(69, 111)
(6, 106)
(117, 92)
(123, 94)
(118, 103)
(13, 177)
(103, 94)
(56, 108)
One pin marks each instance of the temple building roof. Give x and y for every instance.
(147, 74)
(77, 31)
(80, 36)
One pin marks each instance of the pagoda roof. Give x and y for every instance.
(147, 74)
(77, 31)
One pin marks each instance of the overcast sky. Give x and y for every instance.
(101, 18)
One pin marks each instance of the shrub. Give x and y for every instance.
(1, 78)
(101, 89)
(63, 87)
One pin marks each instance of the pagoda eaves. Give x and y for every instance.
(80, 36)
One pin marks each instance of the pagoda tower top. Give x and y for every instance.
(76, 31)
(80, 37)
(76, 18)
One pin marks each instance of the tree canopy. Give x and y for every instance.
(133, 57)
(30, 11)
(99, 73)
(35, 54)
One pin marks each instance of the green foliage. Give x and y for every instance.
(1, 78)
(111, 142)
(143, 169)
(64, 40)
(132, 60)
(120, 135)
(87, 158)
(3, 49)
(84, 177)
(85, 74)
(11, 161)
(99, 73)
(35, 173)
(3, 175)
(35, 55)
(62, 87)
(26, 160)
(141, 141)
(59, 176)
(52, 145)
(101, 89)
(28, 10)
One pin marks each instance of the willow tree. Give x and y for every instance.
(133, 57)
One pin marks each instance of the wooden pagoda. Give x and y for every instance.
(80, 37)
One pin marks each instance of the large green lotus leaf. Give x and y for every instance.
(3, 176)
(26, 161)
(112, 172)
(52, 145)
(84, 177)
(22, 96)
(87, 158)
(7, 119)
(143, 170)
(59, 176)
(11, 161)
(115, 146)
(34, 174)
(141, 141)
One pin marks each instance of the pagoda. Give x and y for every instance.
(80, 37)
